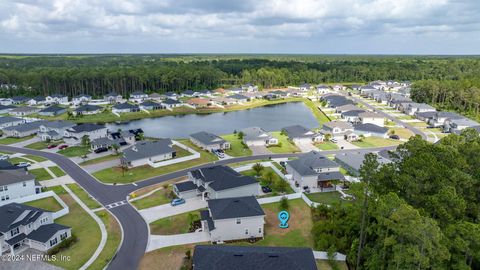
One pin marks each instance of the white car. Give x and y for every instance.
(23, 164)
(334, 140)
(4, 157)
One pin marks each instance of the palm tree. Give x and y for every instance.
(115, 148)
(258, 168)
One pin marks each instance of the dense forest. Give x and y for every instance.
(420, 212)
(99, 74)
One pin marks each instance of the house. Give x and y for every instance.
(369, 129)
(138, 96)
(346, 108)
(18, 100)
(425, 116)
(223, 101)
(209, 141)
(300, 134)
(6, 101)
(27, 226)
(17, 183)
(438, 119)
(367, 88)
(209, 257)
(125, 108)
(6, 108)
(371, 118)
(314, 170)
(337, 129)
(276, 94)
(258, 136)
(305, 87)
(54, 130)
(323, 89)
(352, 116)
(204, 92)
(171, 95)
(52, 111)
(106, 142)
(56, 99)
(147, 152)
(199, 102)
(254, 95)
(239, 98)
(112, 98)
(23, 130)
(38, 100)
(356, 87)
(156, 96)
(413, 108)
(171, 103)
(338, 87)
(235, 218)
(23, 111)
(189, 93)
(8, 121)
(235, 90)
(352, 161)
(459, 124)
(150, 105)
(380, 85)
(128, 136)
(81, 99)
(248, 87)
(334, 101)
(217, 182)
(87, 110)
(75, 134)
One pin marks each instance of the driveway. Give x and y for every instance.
(306, 147)
(259, 150)
(166, 210)
(346, 145)
(101, 166)
(161, 241)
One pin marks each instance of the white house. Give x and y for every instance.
(300, 134)
(57, 99)
(233, 219)
(371, 118)
(370, 129)
(23, 111)
(75, 134)
(413, 108)
(87, 110)
(125, 108)
(8, 121)
(39, 100)
(138, 97)
(81, 99)
(54, 130)
(209, 141)
(26, 226)
(23, 130)
(248, 87)
(337, 129)
(145, 152)
(16, 183)
(112, 98)
(258, 136)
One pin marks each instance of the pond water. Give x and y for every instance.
(270, 118)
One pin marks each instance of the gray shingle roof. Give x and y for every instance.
(355, 159)
(8, 177)
(220, 257)
(125, 106)
(150, 103)
(145, 149)
(185, 186)
(9, 119)
(88, 127)
(27, 126)
(170, 101)
(207, 138)
(45, 232)
(353, 113)
(88, 108)
(11, 212)
(297, 131)
(58, 124)
(234, 208)
(255, 133)
(238, 96)
(222, 177)
(307, 163)
(53, 109)
(370, 128)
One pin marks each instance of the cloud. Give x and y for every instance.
(203, 21)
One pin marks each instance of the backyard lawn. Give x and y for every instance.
(326, 146)
(375, 142)
(276, 179)
(159, 197)
(75, 151)
(40, 174)
(237, 148)
(84, 196)
(10, 140)
(403, 133)
(48, 204)
(175, 224)
(99, 160)
(117, 175)
(84, 227)
(57, 171)
(326, 197)
(113, 240)
(285, 145)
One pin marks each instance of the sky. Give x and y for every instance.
(241, 26)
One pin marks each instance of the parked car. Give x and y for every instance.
(100, 150)
(51, 146)
(266, 189)
(62, 146)
(306, 189)
(176, 202)
(4, 157)
(395, 137)
(334, 140)
(23, 164)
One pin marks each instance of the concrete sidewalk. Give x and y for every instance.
(161, 241)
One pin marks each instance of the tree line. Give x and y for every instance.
(98, 74)
(422, 211)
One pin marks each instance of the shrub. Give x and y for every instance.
(63, 245)
(284, 205)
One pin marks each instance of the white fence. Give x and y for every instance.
(39, 196)
(194, 155)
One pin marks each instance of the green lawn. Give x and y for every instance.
(175, 224)
(375, 142)
(17, 160)
(42, 145)
(57, 171)
(113, 240)
(405, 117)
(35, 158)
(319, 114)
(285, 145)
(159, 197)
(84, 196)
(9, 140)
(274, 187)
(116, 175)
(418, 124)
(327, 145)
(326, 197)
(237, 148)
(84, 227)
(403, 133)
(180, 152)
(48, 204)
(99, 160)
(75, 151)
(40, 174)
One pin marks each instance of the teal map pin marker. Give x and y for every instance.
(283, 216)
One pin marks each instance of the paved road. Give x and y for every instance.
(135, 230)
